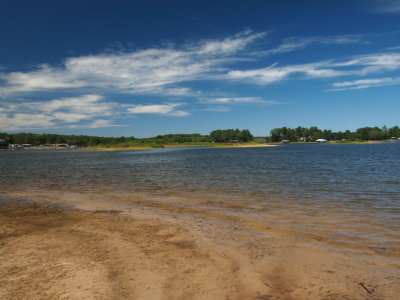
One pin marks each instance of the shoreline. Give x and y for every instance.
(137, 248)
(103, 254)
(215, 146)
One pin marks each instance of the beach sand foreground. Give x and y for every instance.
(48, 253)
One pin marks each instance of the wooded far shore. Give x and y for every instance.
(220, 137)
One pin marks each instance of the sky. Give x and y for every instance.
(144, 68)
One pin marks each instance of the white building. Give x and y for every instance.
(321, 141)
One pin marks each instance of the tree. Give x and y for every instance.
(229, 135)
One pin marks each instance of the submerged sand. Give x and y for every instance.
(158, 251)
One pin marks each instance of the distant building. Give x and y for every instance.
(285, 141)
(3, 144)
(321, 141)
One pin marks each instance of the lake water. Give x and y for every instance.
(347, 195)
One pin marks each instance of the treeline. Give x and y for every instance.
(85, 140)
(302, 134)
(43, 139)
(299, 134)
(222, 136)
(231, 135)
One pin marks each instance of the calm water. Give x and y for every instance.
(351, 191)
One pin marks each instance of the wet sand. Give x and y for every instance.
(96, 249)
(140, 148)
(52, 254)
(245, 146)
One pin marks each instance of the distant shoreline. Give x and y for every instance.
(215, 146)
(206, 145)
(221, 145)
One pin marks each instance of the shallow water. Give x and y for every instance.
(342, 195)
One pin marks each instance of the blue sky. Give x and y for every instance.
(126, 68)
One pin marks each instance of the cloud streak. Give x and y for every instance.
(237, 100)
(168, 109)
(299, 43)
(88, 111)
(358, 66)
(364, 83)
(388, 6)
(166, 71)
(173, 73)
(155, 70)
(57, 113)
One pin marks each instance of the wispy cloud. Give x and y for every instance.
(56, 113)
(171, 72)
(393, 48)
(388, 6)
(224, 104)
(276, 73)
(217, 108)
(237, 100)
(229, 45)
(358, 66)
(88, 111)
(168, 109)
(154, 70)
(44, 78)
(21, 120)
(166, 70)
(96, 124)
(364, 83)
(299, 43)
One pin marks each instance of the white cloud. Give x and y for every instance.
(101, 123)
(275, 73)
(159, 109)
(55, 113)
(156, 70)
(388, 6)
(87, 111)
(372, 63)
(237, 100)
(299, 43)
(70, 108)
(168, 71)
(358, 66)
(260, 76)
(69, 117)
(364, 83)
(393, 48)
(96, 124)
(229, 45)
(21, 120)
(217, 109)
(89, 104)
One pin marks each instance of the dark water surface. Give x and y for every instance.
(350, 193)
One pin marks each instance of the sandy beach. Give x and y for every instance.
(153, 250)
(139, 148)
(246, 146)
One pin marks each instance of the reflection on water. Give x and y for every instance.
(344, 194)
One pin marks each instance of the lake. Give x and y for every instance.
(347, 195)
